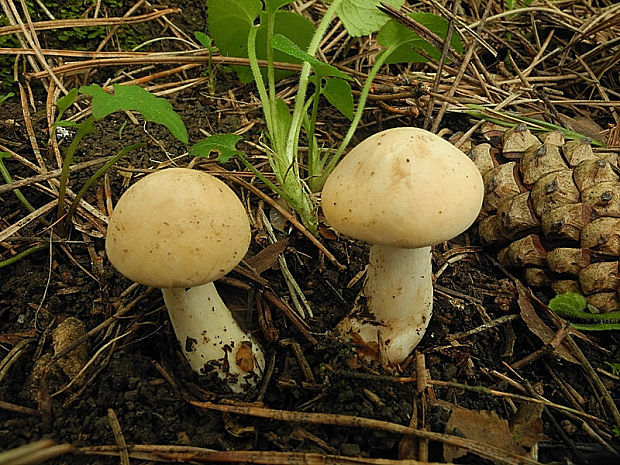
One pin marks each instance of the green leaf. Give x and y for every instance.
(286, 45)
(223, 144)
(65, 102)
(5, 97)
(615, 367)
(512, 4)
(402, 40)
(282, 123)
(203, 38)
(338, 93)
(230, 22)
(205, 41)
(65, 124)
(361, 17)
(409, 44)
(568, 302)
(276, 4)
(291, 25)
(135, 98)
(571, 306)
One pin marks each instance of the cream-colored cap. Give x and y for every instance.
(403, 187)
(177, 227)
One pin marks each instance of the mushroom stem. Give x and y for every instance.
(211, 339)
(399, 303)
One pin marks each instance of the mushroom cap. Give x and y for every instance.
(403, 187)
(177, 227)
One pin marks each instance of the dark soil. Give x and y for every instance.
(136, 369)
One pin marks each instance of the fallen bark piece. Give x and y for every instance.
(479, 425)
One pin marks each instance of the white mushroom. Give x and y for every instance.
(402, 190)
(180, 229)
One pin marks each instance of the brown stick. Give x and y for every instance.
(186, 454)
(484, 450)
(71, 23)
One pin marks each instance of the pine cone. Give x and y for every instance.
(552, 210)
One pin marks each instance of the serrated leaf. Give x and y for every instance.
(409, 44)
(286, 45)
(223, 144)
(571, 306)
(135, 98)
(596, 326)
(361, 17)
(338, 93)
(568, 302)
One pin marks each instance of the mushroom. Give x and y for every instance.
(180, 229)
(402, 190)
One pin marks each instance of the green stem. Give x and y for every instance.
(361, 104)
(292, 189)
(294, 163)
(271, 79)
(19, 256)
(83, 129)
(93, 178)
(294, 186)
(312, 123)
(315, 160)
(300, 98)
(292, 192)
(8, 179)
(211, 72)
(258, 77)
(262, 177)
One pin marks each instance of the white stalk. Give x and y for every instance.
(399, 303)
(211, 339)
